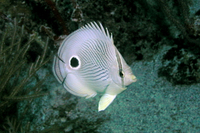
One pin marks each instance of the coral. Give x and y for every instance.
(57, 15)
(17, 75)
(181, 63)
(180, 66)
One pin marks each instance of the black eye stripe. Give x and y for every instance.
(121, 73)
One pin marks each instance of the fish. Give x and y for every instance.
(88, 63)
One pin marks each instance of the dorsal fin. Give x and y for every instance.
(99, 27)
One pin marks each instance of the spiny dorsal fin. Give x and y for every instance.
(99, 27)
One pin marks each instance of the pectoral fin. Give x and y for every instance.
(105, 101)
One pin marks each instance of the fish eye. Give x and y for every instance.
(74, 62)
(121, 74)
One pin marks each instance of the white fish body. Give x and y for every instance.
(88, 62)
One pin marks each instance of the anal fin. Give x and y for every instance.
(105, 101)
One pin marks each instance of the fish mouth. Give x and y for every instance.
(133, 78)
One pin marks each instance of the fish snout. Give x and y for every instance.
(130, 79)
(133, 78)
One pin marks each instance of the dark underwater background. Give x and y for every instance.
(159, 39)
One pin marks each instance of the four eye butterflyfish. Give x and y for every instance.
(88, 63)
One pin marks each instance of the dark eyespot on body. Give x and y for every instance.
(74, 62)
